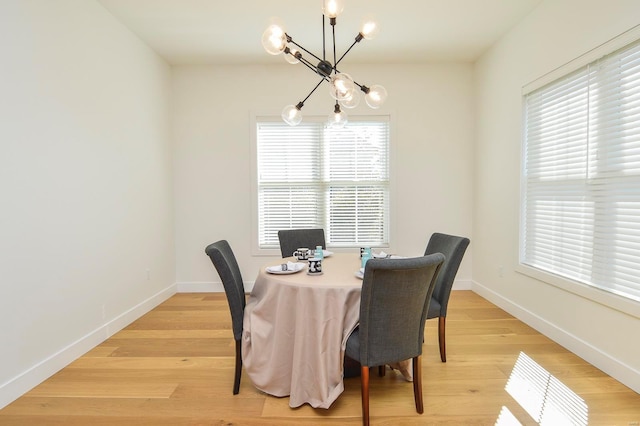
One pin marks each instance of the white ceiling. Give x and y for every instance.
(229, 32)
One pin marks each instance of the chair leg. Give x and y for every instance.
(364, 382)
(236, 380)
(417, 383)
(382, 369)
(441, 338)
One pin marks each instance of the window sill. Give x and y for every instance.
(611, 300)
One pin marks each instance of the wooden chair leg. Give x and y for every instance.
(417, 383)
(441, 340)
(236, 380)
(382, 370)
(364, 382)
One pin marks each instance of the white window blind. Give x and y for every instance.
(310, 176)
(581, 186)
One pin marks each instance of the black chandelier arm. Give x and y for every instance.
(358, 39)
(324, 51)
(314, 89)
(308, 64)
(300, 58)
(290, 40)
(312, 67)
(333, 30)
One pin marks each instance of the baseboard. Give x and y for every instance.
(462, 285)
(19, 385)
(620, 371)
(207, 287)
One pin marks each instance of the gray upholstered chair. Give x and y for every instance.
(225, 262)
(292, 239)
(393, 310)
(453, 248)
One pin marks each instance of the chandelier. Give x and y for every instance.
(342, 88)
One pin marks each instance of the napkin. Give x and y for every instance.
(290, 266)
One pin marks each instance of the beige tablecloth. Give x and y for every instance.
(295, 330)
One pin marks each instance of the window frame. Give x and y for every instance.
(623, 304)
(256, 118)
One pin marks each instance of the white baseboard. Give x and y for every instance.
(16, 387)
(462, 285)
(208, 287)
(625, 374)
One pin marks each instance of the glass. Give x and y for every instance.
(366, 255)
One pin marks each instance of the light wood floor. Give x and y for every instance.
(174, 366)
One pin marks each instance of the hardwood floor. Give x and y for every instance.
(174, 366)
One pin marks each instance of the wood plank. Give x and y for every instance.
(132, 388)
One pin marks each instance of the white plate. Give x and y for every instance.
(297, 267)
(326, 253)
(360, 274)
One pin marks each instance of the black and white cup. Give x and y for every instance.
(302, 253)
(315, 266)
(363, 250)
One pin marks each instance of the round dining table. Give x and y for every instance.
(296, 326)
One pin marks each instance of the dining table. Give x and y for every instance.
(296, 326)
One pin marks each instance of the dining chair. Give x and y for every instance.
(453, 248)
(393, 309)
(225, 262)
(292, 239)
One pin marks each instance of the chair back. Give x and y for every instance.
(292, 239)
(453, 248)
(225, 262)
(393, 307)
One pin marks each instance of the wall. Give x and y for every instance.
(552, 35)
(431, 169)
(85, 181)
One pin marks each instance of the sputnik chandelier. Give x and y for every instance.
(341, 86)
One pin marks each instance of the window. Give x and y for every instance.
(581, 175)
(310, 176)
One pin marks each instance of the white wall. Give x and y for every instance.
(431, 171)
(85, 183)
(552, 35)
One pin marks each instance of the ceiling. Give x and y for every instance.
(229, 32)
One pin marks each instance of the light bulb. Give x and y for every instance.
(337, 119)
(352, 101)
(290, 56)
(376, 96)
(369, 28)
(292, 115)
(332, 8)
(274, 39)
(341, 87)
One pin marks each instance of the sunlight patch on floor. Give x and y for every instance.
(506, 418)
(547, 400)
